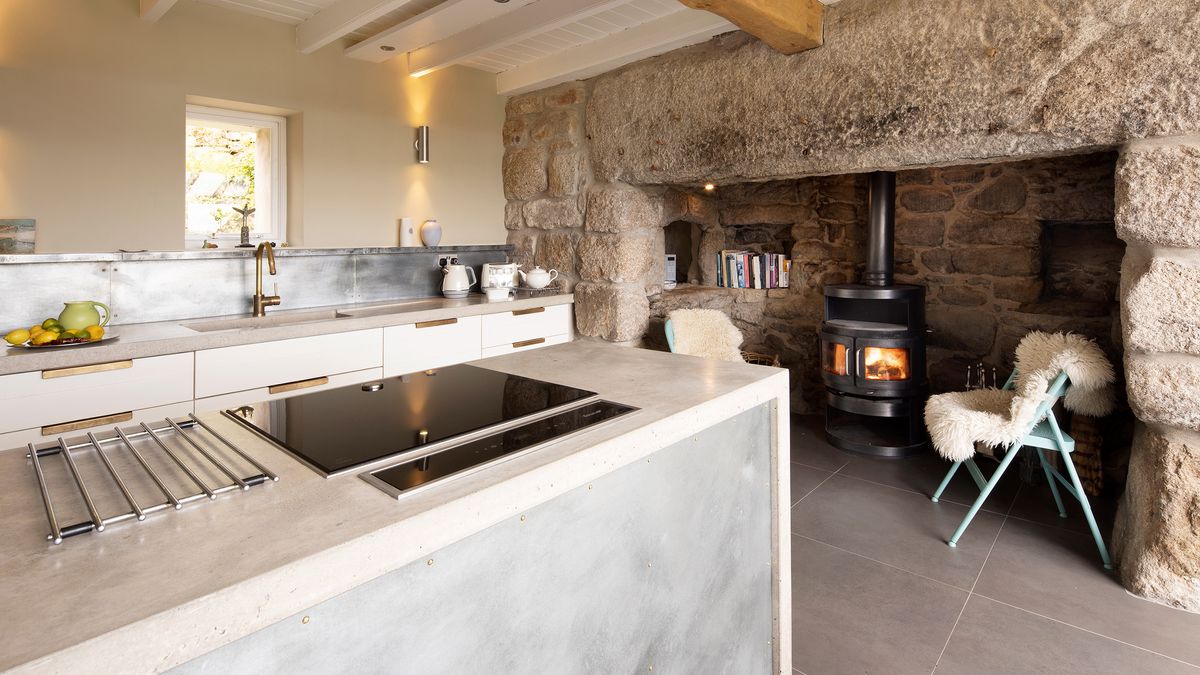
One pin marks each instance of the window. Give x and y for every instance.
(234, 160)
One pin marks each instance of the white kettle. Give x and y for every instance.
(457, 279)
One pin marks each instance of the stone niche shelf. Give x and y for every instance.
(744, 305)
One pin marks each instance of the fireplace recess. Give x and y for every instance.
(873, 347)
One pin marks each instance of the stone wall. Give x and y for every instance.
(612, 258)
(903, 83)
(1157, 534)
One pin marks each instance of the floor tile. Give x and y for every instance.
(995, 638)
(852, 615)
(809, 446)
(923, 473)
(805, 479)
(1035, 503)
(896, 527)
(1058, 574)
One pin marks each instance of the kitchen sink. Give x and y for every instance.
(268, 321)
(391, 308)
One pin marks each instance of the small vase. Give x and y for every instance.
(431, 233)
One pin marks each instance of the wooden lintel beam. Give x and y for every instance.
(789, 26)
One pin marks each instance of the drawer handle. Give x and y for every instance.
(299, 384)
(84, 370)
(104, 420)
(439, 322)
(528, 343)
(531, 310)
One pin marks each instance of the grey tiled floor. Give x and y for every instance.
(876, 590)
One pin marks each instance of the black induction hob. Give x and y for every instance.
(441, 411)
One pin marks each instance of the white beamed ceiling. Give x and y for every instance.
(528, 44)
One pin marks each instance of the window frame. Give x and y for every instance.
(278, 198)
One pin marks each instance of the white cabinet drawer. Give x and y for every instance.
(232, 369)
(525, 345)
(236, 399)
(429, 344)
(51, 397)
(18, 439)
(526, 324)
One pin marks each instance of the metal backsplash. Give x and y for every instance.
(163, 287)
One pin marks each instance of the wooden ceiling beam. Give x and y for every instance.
(657, 36)
(339, 20)
(789, 26)
(532, 19)
(444, 20)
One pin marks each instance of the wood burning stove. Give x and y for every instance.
(873, 348)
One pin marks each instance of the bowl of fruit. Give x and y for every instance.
(51, 333)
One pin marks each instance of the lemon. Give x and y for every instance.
(95, 332)
(44, 337)
(18, 337)
(34, 330)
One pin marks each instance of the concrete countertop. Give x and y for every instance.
(146, 596)
(172, 337)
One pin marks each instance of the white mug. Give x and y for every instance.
(500, 293)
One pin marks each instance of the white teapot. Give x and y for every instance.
(538, 277)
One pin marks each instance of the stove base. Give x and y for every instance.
(887, 437)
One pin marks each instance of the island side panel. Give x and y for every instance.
(664, 563)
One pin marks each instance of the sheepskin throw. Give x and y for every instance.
(707, 333)
(999, 418)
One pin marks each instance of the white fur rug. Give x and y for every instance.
(956, 421)
(708, 333)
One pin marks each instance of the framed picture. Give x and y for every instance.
(17, 235)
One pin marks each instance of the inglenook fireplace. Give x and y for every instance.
(873, 347)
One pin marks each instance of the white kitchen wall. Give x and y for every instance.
(92, 118)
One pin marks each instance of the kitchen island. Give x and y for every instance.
(656, 540)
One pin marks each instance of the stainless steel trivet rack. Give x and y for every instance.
(163, 438)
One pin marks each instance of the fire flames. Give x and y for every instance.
(885, 363)
(835, 358)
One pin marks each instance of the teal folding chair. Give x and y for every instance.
(1043, 434)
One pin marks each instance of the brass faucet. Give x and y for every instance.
(261, 302)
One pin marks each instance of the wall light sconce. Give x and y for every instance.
(422, 144)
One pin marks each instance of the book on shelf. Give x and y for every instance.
(747, 269)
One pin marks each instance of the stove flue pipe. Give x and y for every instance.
(881, 229)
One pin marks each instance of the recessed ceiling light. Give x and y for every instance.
(387, 48)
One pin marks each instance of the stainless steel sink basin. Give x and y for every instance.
(268, 321)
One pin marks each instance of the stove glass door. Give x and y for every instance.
(886, 364)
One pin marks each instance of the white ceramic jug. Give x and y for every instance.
(538, 277)
(457, 280)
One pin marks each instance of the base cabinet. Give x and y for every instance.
(41, 405)
(430, 344)
(67, 400)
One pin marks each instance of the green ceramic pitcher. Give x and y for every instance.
(80, 314)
